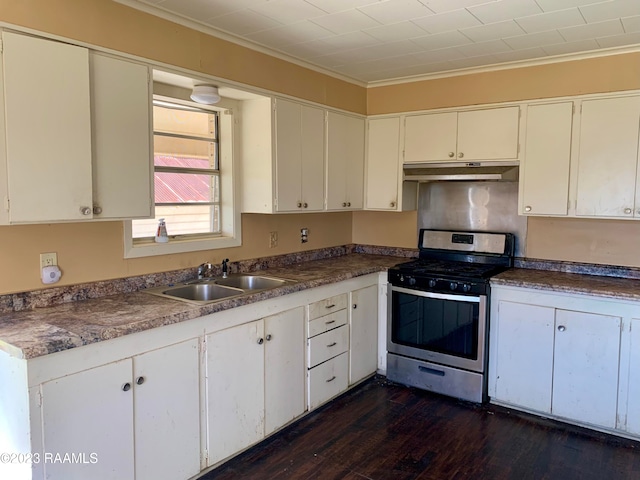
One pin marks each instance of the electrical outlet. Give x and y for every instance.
(273, 239)
(48, 259)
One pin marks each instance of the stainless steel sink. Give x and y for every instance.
(202, 292)
(210, 290)
(250, 282)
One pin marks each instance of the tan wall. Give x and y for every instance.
(388, 229)
(94, 250)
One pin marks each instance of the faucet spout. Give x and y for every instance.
(205, 270)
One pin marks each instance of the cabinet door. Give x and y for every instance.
(633, 396)
(121, 128)
(488, 134)
(345, 161)
(90, 414)
(167, 412)
(430, 138)
(545, 167)
(383, 163)
(48, 129)
(288, 145)
(524, 355)
(312, 126)
(284, 368)
(363, 351)
(235, 389)
(585, 372)
(608, 157)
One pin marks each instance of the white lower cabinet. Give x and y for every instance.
(255, 381)
(560, 355)
(630, 419)
(328, 380)
(148, 404)
(363, 348)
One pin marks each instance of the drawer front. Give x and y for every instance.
(328, 380)
(328, 345)
(328, 322)
(327, 306)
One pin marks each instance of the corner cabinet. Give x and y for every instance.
(78, 146)
(465, 136)
(569, 356)
(345, 162)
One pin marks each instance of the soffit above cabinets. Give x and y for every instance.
(374, 41)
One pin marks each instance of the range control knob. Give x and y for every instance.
(466, 288)
(401, 278)
(453, 285)
(411, 280)
(431, 283)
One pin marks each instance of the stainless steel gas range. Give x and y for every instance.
(438, 312)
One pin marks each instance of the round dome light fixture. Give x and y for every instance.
(205, 94)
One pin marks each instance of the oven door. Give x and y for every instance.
(448, 329)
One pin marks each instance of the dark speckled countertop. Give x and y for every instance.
(596, 285)
(41, 331)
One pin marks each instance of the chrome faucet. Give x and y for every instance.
(225, 268)
(205, 270)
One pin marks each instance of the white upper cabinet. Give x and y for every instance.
(345, 162)
(299, 154)
(466, 136)
(78, 133)
(544, 168)
(607, 180)
(384, 186)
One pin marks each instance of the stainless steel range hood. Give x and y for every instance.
(429, 172)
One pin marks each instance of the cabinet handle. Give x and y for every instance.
(85, 210)
(97, 210)
(348, 204)
(451, 154)
(460, 155)
(344, 204)
(140, 380)
(269, 337)
(627, 211)
(260, 341)
(561, 328)
(393, 204)
(126, 387)
(355, 305)
(331, 379)
(299, 204)
(330, 306)
(305, 205)
(527, 208)
(332, 344)
(330, 322)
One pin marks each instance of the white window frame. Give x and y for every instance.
(231, 235)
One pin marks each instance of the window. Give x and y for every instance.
(192, 179)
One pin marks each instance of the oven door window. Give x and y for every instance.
(436, 324)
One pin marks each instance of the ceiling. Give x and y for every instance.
(373, 41)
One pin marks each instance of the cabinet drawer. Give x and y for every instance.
(328, 322)
(328, 345)
(328, 380)
(326, 306)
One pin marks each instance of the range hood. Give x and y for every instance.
(429, 172)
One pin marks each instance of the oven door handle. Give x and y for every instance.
(440, 296)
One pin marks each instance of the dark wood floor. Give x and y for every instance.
(383, 431)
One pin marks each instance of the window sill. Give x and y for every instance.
(179, 246)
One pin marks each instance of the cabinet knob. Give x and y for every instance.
(260, 341)
(561, 328)
(393, 204)
(348, 204)
(355, 305)
(628, 211)
(451, 154)
(527, 208)
(269, 337)
(299, 204)
(85, 210)
(97, 210)
(344, 204)
(126, 387)
(305, 205)
(140, 380)
(460, 155)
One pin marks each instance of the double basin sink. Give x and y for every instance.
(209, 290)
